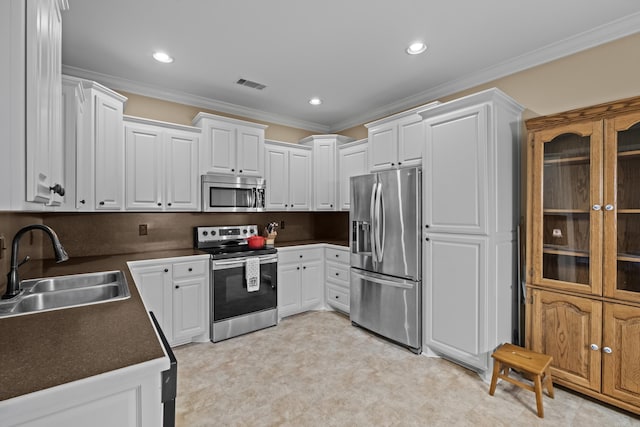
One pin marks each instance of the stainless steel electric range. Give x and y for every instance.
(237, 309)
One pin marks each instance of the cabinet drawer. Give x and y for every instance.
(299, 255)
(189, 269)
(338, 272)
(338, 255)
(338, 298)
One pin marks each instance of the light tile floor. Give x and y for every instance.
(316, 369)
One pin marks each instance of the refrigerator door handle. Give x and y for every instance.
(400, 283)
(372, 227)
(380, 232)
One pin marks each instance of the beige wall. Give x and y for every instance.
(167, 111)
(600, 74)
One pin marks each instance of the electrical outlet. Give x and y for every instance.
(142, 230)
(282, 224)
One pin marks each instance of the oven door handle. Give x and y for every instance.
(241, 262)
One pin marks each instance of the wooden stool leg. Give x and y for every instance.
(538, 389)
(547, 375)
(494, 378)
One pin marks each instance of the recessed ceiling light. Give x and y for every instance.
(416, 48)
(315, 101)
(162, 57)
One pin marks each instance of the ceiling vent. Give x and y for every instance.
(249, 83)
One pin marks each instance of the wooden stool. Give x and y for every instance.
(536, 365)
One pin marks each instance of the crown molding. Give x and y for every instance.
(594, 37)
(588, 39)
(143, 89)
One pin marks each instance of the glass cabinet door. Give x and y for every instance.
(567, 208)
(622, 209)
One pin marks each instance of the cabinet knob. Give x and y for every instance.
(177, 287)
(240, 171)
(297, 268)
(57, 188)
(82, 202)
(426, 239)
(169, 204)
(608, 208)
(607, 350)
(159, 204)
(101, 203)
(337, 274)
(337, 255)
(426, 226)
(300, 256)
(337, 297)
(233, 170)
(331, 205)
(285, 205)
(595, 347)
(596, 207)
(304, 268)
(399, 163)
(393, 164)
(190, 269)
(166, 270)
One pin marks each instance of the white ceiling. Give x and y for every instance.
(348, 52)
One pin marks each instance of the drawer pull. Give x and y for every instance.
(166, 270)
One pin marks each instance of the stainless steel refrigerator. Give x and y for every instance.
(386, 287)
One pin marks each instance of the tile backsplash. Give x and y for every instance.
(95, 234)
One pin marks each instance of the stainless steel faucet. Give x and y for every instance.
(13, 280)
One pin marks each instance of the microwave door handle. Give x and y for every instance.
(254, 192)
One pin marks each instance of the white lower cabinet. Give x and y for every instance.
(125, 397)
(177, 291)
(337, 278)
(300, 279)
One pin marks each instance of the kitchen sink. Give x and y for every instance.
(54, 293)
(72, 282)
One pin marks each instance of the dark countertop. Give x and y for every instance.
(344, 243)
(43, 350)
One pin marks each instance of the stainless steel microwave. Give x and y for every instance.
(224, 193)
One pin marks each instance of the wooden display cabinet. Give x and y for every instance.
(583, 248)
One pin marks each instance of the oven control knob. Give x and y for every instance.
(204, 233)
(244, 231)
(213, 232)
(251, 231)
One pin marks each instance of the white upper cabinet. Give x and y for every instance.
(456, 164)
(325, 180)
(288, 176)
(230, 146)
(45, 155)
(103, 128)
(161, 165)
(397, 141)
(352, 161)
